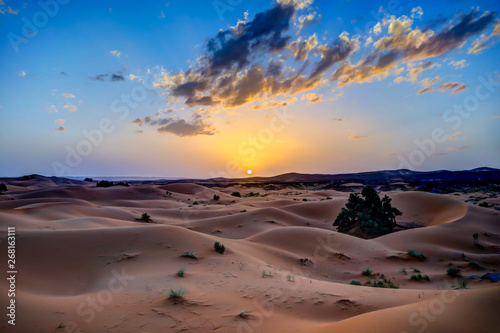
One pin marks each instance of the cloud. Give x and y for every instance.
(162, 15)
(182, 128)
(116, 53)
(71, 108)
(60, 129)
(9, 10)
(451, 149)
(274, 104)
(424, 90)
(358, 137)
(139, 132)
(429, 82)
(377, 29)
(485, 41)
(406, 45)
(308, 20)
(64, 74)
(455, 87)
(232, 48)
(179, 127)
(312, 97)
(298, 4)
(417, 12)
(111, 77)
(68, 95)
(301, 48)
(455, 137)
(415, 70)
(417, 44)
(137, 121)
(338, 51)
(458, 64)
(230, 72)
(59, 121)
(336, 119)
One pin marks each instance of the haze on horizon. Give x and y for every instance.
(216, 88)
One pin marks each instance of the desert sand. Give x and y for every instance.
(86, 264)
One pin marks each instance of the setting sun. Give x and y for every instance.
(249, 172)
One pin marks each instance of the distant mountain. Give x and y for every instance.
(483, 174)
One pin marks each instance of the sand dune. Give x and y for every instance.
(78, 243)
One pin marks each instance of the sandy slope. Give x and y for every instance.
(84, 261)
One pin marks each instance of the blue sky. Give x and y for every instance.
(216, 88)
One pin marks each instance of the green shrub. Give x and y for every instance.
(290, 277)
(266, 274)
(419, 277)
(219, 247)
(188, 254)
(244, 314)
(236, 194)
(367, 272)
(372, 214)
(195, 203)
(145, 218)
(453, 272)
(180, 273)
(216, 197)
(355, 283)
(419, 256)
(176, 294)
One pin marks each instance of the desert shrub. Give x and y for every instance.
(476, 265)
(484, 204)
(355, 283)
(236, 194)
(419, 256)
(219, 247)
(244, 314)
(266, 274)
(419, 277)
(367, 272)
(216, 197)
(304, 199)
(370, 213)
(3, 187)
(290, 277)
(144, 217)
(453, 272)
(180, 273)
(188, 254)
(88, 180)
(195, 203)
(176, 294)
(104, 183)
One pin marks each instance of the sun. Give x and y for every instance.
(249, 172)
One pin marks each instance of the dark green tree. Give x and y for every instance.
(368, 213)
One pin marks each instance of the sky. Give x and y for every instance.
(216, 88)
